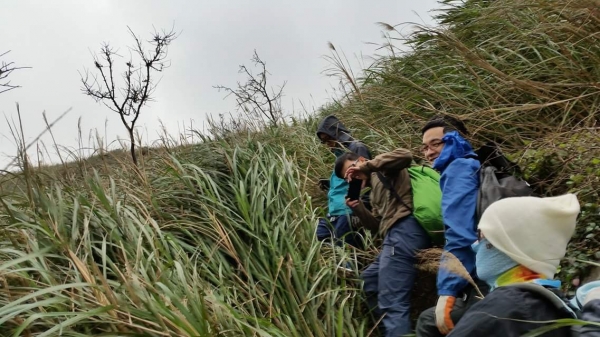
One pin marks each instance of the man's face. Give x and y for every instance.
(432, 143)
(325, 139)
(358, 174)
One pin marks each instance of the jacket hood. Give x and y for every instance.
(332, 127)
(455, 146)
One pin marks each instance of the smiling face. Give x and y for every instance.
(432, 143)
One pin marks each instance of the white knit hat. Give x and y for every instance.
(534, 232)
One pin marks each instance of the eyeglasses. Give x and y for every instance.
(433, 145)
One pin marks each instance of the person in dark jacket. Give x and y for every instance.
(451, 154)
(522, 241)
(338, 223)
(388, 281)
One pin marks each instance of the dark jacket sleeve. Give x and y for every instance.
(360, 149)
(460, 184)
(591, 313)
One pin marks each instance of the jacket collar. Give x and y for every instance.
(455, 146)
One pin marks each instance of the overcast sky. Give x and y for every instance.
(56, 39)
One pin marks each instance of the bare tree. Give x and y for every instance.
(254, 97)
(6, 68)
(138, 82)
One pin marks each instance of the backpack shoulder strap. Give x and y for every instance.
(490, 154)
(393, 193)
(425, 170)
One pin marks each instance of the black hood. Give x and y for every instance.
(332, 127)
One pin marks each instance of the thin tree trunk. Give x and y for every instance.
(132, 149)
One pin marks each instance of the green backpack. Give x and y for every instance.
(427, 200)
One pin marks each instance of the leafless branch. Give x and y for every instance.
(254, 97)
(6, 68)
(137, 85)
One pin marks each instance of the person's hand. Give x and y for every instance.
(352, 203)
(442, 314)
(351, 172)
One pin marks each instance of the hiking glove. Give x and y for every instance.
(442, 314)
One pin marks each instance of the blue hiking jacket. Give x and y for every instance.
(338, 188)
(459, 183)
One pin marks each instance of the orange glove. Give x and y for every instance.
(442, 314)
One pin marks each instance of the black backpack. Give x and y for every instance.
(498, 178)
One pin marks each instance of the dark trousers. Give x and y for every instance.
(426, 324)
(389, 280)
(339, 229)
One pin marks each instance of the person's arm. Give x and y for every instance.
(460, 185)
(368, 220)
(388, 162)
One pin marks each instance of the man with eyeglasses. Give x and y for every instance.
(338, 223)
(451, 154)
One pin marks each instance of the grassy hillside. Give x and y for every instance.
(216, 238)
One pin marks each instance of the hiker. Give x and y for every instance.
(522, 241)
(388, 281)
(451, 154)
(338, 223)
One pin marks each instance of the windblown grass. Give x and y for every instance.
(217, 238)
(521, 73)
(436, 258)
(186, 252)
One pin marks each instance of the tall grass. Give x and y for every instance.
(521, 73)
(185, 252)
(217, 238)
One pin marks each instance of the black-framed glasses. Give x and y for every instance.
(433, 145)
